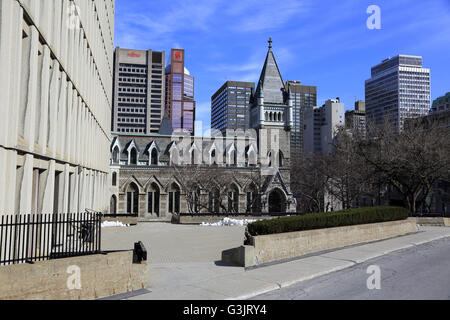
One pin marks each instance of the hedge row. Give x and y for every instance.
(327, 220)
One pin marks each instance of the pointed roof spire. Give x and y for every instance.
(270, 84)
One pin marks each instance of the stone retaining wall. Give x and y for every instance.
(101, 275)
(283, 246)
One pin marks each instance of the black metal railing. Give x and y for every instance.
(36, 237)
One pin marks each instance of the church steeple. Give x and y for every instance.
(270, 84)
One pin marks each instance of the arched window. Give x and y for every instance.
(113, 205)
(213, 159)
(154, 157)
(233, 199)
(214, 201)
(279, 116)
(114, 178)
(280, 159)
(252, 199)
(133, 156)
(153, 196)
(193, 157)
(132, 199)
(232, 159)
(115, 155)
(174, 198)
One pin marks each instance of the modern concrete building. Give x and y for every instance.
(399, 88)
(180, 103)
(355, 120)
(230, 106)
(302, 97)
(321, 124)
(138, 94)
(441, 104)
(56, 62)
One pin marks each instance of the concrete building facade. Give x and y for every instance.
(56, 67)
(321, 124)
(399, 88)
(302, 97)
(355, 120)
(139, 91)
(230, 105)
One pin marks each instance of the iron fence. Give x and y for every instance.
(36, 237)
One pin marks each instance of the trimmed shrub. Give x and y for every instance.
(327, 220)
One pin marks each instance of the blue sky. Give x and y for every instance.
(322, 43)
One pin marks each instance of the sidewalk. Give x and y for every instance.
(216, 281)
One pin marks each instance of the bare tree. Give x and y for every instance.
(308, 182)
(412, 160)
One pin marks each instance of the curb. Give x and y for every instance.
(359, 261)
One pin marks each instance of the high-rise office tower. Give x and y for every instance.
(180, 103)
(55, 87)
(138, 94)
(399, 88)
(230, 105)
(321, 125)
(356, 119)
(441, 104)
(302, 97)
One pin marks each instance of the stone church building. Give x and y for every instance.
(158, 175)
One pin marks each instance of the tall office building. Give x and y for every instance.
(441, 104)
(320, 126)
(138, 94)
(356, 119)
(230, 105)
(302, 97)
(180, 103)
(399, 88)
(56, 62)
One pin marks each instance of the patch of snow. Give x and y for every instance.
(106, 224)
(229, 222)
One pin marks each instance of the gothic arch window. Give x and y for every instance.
(232, 158)
(213, 159)
(266, 116)
(252, 198)
(154, 157)
(153, 197)
(233, 199)
(174, 198)
(115, 155)
(271, 116)
(114, 179)
(280, 159)
(214, 200)
(133, 156)
(132, 198)
(113, 205)
(279, 116)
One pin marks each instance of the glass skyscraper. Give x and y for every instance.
(180, 103)
(399, 88)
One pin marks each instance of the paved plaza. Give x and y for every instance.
(184, 260)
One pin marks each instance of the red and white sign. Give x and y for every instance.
(134, 55)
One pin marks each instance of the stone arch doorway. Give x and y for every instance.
(277, 201)
(113, 205)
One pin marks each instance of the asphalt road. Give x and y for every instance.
(421, 272)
